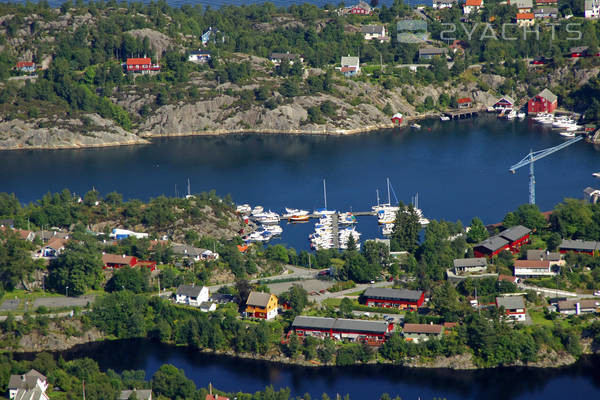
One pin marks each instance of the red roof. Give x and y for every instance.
(422, 328)
(116, 259)
(532, 264)
(347, 69)
(464, 100)
(476, 3)
(507, 278)
(139, 61)
(525, 16)
(22, 64)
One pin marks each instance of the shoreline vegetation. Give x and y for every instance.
(64, 81)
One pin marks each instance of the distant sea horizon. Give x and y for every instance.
(221, 3)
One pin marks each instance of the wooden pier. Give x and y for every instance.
(335, 231)
(462, 113)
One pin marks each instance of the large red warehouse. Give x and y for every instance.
(579, 246)
(543, 102)
(403, 299)
(510, 239)
(372, 332)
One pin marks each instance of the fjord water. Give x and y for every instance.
(580, 381)
(460, 170)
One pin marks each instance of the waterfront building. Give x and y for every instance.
(514, 307)
(372, 332)
(543, 102)
(504, 103)
(261, 305)
(394, 298)
(465, 102)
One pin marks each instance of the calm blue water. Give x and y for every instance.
(581, 381)
(459, 169)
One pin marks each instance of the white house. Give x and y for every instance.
(192, 295)
(468, 265)
(125, 233)
(350, 66)
(514, 307)
(374, 32)
(31, 385)
(592, 9)
(208, 255)
(278, 58)
(533, 268)
(199, 57)
(472, 6)
(53, 248)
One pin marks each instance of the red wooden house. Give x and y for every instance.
(143, 65)
(397, 118)
(371, 332)
(26, 66)
(543, 102)
(361, 8)
(464, 102)
(394, 298)
(504, 103)
(580, 51)
(510, 239)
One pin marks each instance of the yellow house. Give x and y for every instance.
(261, 305)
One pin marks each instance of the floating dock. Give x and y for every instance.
(462, 114)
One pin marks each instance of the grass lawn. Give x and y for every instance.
(537, 317)
(332, 302)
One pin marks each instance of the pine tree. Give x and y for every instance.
(405, 236)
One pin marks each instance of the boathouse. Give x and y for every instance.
(397, 118)
(543, 102)
(394, 298)
(372, 332)
(465, 102)
(579, 246)
(504, 103)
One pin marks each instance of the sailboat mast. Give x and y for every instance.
(377, 191)
(388, 187)
(189, 194)
(325, 193)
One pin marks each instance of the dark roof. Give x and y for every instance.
(187, 250)
(493, 243)
(570, 304)
(25, 381)
(200, 53)
(422, 328)
(281, 56)
(542, 255)
(515, 232)
(470, 262)
(372, 29)
(221, 298)
(432, 51)
(548, 95)
(510, 302)
(189, 290)
(340, 324)
(568, 244)
(578, 49)
(393, 294)
(258, 299)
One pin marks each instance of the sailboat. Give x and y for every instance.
(324, 211)
(189, 195)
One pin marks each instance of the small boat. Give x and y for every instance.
(491, 109)
(521, 115)
(290, 212)
(243, 209)
(415, 126)
(567, 134)
(596, 174)
(299, 218)
(274, 229)
(511, 115)
(257, 210)
(444, 118)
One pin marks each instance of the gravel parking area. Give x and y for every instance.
(59, 302)
(10, 305)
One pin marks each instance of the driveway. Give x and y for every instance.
(59, 302)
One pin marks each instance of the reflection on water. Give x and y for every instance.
(581, 381)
